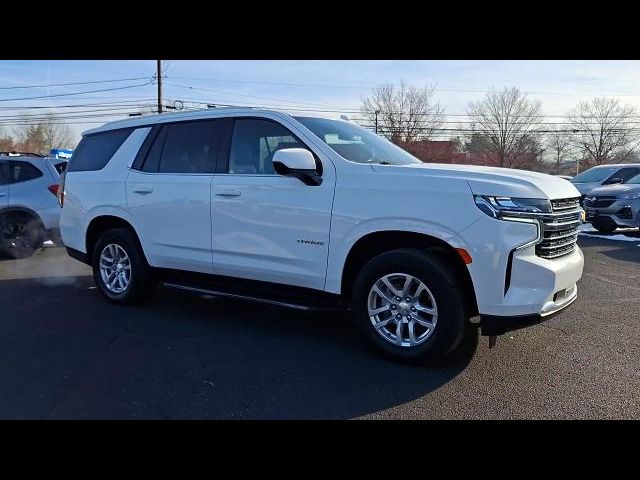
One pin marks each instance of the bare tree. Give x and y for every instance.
(559, 145)
(403, 113)
(603, 130)
(508, 122)
(6, 142)
(42, 134)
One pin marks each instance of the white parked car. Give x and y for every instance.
(315, 213)
(29, 210)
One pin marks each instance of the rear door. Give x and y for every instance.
(169, 194)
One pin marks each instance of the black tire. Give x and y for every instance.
(139, 279)
(439, 278)
(20, 234)
(605, 227)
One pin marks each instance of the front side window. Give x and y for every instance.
(22, 172)
(94, 151)
(634, 180)
(253, 144)
(625, 173)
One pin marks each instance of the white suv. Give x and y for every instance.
(317, 213)
(29, 210)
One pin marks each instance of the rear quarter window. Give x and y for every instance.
(94, 151)
(60, 167)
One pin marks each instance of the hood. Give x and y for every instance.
(497, 181)
(586, 187)
(615, 190)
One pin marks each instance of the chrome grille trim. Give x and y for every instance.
(565, 204)
(559, 228)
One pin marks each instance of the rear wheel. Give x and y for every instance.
(409, 305)
(20, 235)
(119, 267)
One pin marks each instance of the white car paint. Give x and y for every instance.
(276, 229)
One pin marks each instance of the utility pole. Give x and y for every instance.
(376, 113)
(159, 77)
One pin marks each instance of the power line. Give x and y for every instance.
(74, 83)
(251, 96)
(77, 105)
(74, 93)
(363, 87)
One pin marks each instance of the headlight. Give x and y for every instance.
(629, 196)
(505, 207)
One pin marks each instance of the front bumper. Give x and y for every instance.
(499, 325)
(624, 213)
(514, 282)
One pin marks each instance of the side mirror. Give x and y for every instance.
(298, 163)
(614, 180)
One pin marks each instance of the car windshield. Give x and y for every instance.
(594, 175)
(355, 143)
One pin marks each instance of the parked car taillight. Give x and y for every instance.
(54, 189)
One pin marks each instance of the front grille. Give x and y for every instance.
(560, 228)
(598, 202)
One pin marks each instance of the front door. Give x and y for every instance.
(266, 226)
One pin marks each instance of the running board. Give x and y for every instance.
(250, 298)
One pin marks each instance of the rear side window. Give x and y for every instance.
(185, 147)
(95, 151)
(22, 172)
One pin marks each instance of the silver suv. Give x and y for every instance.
(604, 175)
(29, 208)
(613, 206)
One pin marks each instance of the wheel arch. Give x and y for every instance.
(373, 244)
(21, 209)
(102, 223)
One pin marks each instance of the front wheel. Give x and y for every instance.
(409, 305)
(604, 226)
(119, 267)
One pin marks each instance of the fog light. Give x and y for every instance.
(625, 212)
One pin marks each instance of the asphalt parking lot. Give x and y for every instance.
(65, 353)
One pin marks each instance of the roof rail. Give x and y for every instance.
(21, 154)
(222, 105)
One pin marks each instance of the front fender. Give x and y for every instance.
(343, 240)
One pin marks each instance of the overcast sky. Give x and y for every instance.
(321, 85)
